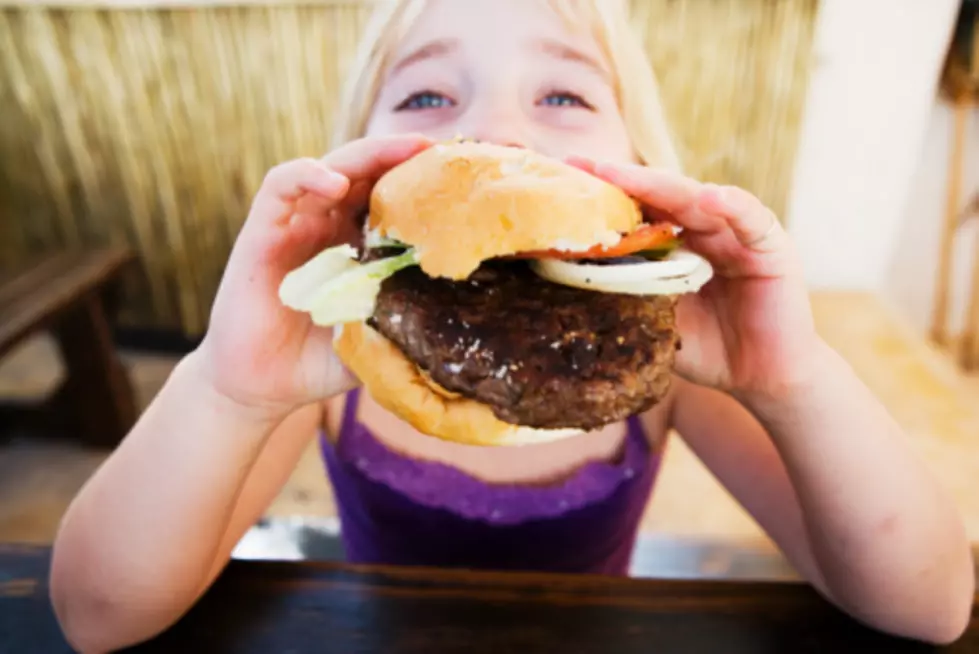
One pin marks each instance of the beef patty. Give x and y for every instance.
(539, 354)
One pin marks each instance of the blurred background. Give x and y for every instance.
(132, 139)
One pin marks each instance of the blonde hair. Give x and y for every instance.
(608, 20)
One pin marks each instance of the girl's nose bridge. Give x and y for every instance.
(498, 120)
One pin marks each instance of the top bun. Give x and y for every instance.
(460, 204)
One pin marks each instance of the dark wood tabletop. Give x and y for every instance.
(295, 607)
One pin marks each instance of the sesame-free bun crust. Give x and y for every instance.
(462, 203)
(400, 387)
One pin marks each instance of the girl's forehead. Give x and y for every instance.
(493, 25)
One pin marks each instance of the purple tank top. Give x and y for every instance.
(401, 511)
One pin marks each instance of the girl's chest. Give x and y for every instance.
(538, 464)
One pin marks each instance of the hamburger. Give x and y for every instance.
(501, 297)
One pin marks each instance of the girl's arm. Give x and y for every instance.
(809, 450)
(158, 521)
(828, 474)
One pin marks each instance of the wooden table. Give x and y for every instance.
(70, 294)
(316, 607)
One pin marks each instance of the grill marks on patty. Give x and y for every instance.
(539, 354)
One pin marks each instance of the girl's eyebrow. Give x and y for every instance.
(565, 52)
(430, 50)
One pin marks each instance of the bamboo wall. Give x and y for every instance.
(155, 127)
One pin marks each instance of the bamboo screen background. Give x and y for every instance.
(155, 126)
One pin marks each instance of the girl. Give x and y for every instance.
(778, 417)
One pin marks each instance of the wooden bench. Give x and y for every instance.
(69, 294)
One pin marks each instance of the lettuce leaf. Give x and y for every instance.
(335, 289)
(300, 286)
(660, 252)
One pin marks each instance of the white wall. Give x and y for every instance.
(871, 95)
(911, 273)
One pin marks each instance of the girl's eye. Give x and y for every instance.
(564, 99)
(425, 100)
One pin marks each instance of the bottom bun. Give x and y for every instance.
(400, 387)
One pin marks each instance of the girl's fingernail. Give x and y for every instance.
(415, 139)
(335, 179)
(327, 183)
(586, 163)
(715, 195)
(580, 162)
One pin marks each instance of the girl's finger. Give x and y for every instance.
(670, 193)
(661, 189)
(754, 224)
(701, 208)
(287, 183)
(308, 234)
(369, 158)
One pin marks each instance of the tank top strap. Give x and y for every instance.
(350, 406)
(634, 428)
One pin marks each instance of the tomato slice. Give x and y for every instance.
(646, 237)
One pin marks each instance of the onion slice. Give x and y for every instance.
(682, 272)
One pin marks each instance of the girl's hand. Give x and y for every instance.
(257, 352)
(750, 329)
